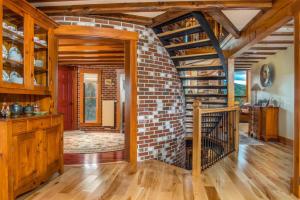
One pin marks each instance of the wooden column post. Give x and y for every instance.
(248, 86)
(230, 83)
(196, 171)
(296, 160)
(131, 102)
(237, 131)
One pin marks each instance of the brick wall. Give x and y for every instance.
(160, 94)
(108, 92)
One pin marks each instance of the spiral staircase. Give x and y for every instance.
(192, 41)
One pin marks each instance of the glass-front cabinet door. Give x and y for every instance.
(40, 56)
(12, 47)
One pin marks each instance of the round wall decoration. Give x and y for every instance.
(267, 75)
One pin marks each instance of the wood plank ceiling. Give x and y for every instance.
(279, 40)
(77, 51)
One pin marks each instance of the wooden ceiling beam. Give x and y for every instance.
(93, 55)
(245, 61)
(89, 42)
(221, 18)
(92, 59)
(268, 48)
(282, 34)
(146, 21)
(81, 48)
(259, 53)
(91, 63)
(94, 9)
(277, 42)
(251, 58)
(280, 14)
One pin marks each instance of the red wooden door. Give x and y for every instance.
(65, 95)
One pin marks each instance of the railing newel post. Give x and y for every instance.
(197, 124)
(237, 132)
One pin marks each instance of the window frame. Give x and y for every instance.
(246, 96)
(98, 95)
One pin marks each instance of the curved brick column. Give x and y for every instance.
(160, 94)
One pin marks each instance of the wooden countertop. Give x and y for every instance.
(26, 117)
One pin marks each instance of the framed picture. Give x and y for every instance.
(108, 82)
(267, 75)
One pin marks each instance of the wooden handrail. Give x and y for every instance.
(217, 110)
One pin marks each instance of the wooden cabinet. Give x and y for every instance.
(31, 150)
(28, 49)
(264, 122)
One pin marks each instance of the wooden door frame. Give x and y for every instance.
(118, 107)
(130, 40)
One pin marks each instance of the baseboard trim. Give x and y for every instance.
(285, 141)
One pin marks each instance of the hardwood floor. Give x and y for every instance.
(93, 158)
(260, 172)
(154, 180)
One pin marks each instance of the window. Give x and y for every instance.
(240, 86)
(90, 93)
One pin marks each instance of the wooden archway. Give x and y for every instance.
(130, 39)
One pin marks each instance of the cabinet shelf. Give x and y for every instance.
(14, 37)
(40, 69)
(12, 63)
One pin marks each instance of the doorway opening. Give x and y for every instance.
(97, 94)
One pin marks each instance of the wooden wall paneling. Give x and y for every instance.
(296, 160)
(230, 83)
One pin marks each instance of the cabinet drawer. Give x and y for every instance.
(56, 121)
(19, 127)
(41, 123)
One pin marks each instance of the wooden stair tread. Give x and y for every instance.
(199, 68)
(203, 77)
(206, 95)
(193, 55)
(167, 33)
(209, 102)
(186, 45)
(205, 87)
